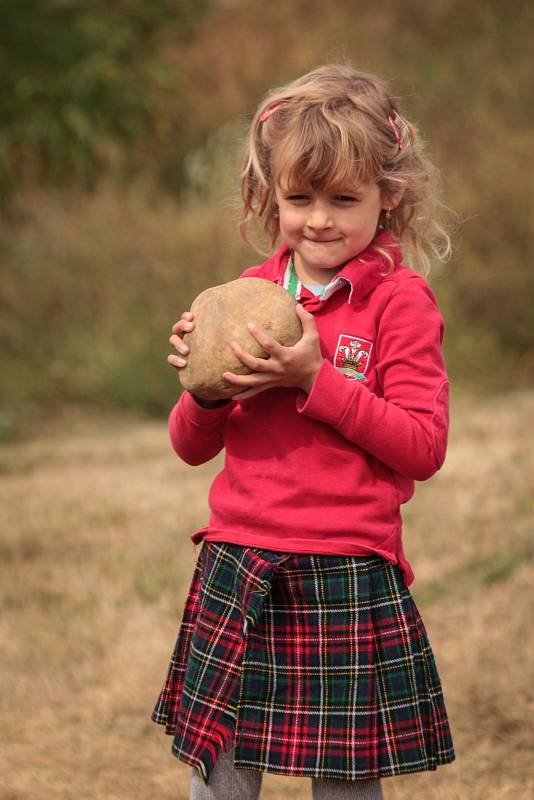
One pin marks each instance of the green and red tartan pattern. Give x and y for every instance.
(316, 665)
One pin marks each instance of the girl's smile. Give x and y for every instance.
(325, 229)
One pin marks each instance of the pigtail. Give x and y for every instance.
(257, 190)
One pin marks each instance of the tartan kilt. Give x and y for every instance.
(313, 665)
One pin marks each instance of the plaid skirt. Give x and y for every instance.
(313, 665)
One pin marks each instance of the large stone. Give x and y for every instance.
(221, 316)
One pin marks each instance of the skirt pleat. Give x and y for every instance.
(315, 665)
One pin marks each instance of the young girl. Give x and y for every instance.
(301, 651)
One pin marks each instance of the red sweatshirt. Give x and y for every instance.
(327, 472)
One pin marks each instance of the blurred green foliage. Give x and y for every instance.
(146, 104)
(84, 84)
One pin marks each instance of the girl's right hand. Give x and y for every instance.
(185, 324)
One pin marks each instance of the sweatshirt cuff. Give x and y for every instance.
(329, 397)
(198, 415)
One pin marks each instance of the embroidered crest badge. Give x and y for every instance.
(352, 356)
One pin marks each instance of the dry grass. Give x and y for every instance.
(95, 516)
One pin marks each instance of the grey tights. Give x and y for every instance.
(228, 783)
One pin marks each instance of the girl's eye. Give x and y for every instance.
(296, 198)
(346, 198)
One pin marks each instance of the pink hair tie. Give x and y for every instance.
(395, 120)
(269, 112)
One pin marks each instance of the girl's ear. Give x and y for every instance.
(392, 199)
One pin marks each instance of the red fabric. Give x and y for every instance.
(327, 472)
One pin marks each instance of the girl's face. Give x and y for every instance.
(326, 229)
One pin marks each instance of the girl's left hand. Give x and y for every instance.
(294, 366)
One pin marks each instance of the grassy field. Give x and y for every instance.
(95, 560)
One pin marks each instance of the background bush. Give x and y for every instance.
(119, 158)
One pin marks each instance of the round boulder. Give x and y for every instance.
(221, 316)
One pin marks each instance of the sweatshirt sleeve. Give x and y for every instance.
(406, 425)
(196, 433)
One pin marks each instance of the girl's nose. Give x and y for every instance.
(319, 217)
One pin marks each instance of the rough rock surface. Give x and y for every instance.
(221, 316)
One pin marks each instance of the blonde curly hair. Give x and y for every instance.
(333, 125)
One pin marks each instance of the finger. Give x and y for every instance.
(176, 361)
(182, 326)
(269, 344)
(307, 320)
(250, 361)
(179, 345)
(248, 381)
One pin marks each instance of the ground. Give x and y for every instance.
(95, 560)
